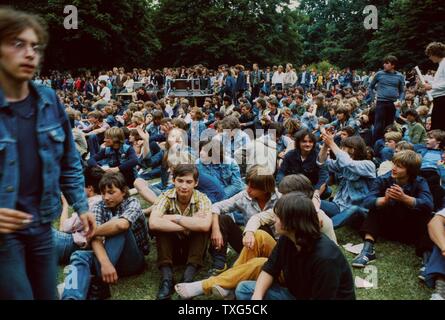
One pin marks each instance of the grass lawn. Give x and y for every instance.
(397, 269)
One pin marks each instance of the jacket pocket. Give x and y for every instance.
(57, 138)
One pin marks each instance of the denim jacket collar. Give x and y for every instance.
(42, 99)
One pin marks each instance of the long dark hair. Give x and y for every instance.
(358, 144)
(301, 134)
(298, 215)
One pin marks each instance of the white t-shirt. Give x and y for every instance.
(439, 81)
(105, 94)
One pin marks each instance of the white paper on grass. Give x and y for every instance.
(362, 283)
(356, 249)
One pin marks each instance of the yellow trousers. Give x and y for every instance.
(247, 267)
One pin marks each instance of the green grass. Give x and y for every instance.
(397, 268)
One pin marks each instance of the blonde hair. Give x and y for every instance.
(116, 134)
(138, 117)
(395, 136)
(410, 160)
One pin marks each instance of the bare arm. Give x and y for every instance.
(160, 222)
(323, 154)
(201, 222)
(437, 232)
(64, 214)
(112, 227)
(263, 284)
(109, 274)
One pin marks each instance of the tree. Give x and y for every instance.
(333, 30)
(109, 33)
(227, 31)
(406, 31)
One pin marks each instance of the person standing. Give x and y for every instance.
(436, 52)
(390, 86)
(36, 163)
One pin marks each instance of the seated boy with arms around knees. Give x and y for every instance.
(119, 244)
(181, 222)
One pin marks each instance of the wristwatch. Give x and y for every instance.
(178, 218)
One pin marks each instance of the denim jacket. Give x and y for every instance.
(418, 189)
(61, 166)
(227, 173)
(355, 178)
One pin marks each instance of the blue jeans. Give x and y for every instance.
(93, 144)
(245, 289)
(64, 246)
(340, 218)
(124, 254)
(28, 265)
(434, 267)
(152, 174)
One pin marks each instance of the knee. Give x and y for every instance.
(244, 290)
(81, 256)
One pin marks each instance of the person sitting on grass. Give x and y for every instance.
(355, 174)
(69, 238)
(260, 194)
(386, 166)
(217, 163)
(391, 140)
(181, 222)
(430, 169)
(400, 206)
(435, 268)
(118, 247)
(117, 156)
(310, 265)
(257, 246)
(416, 133)
(303, 159)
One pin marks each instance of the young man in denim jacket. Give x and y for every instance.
(36, 163)
(400, 207)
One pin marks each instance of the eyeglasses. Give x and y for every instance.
(21, 46)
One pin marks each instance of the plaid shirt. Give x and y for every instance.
(130, 210)
(168, 203)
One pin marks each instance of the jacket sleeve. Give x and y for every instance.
(260, 219)
(363, 168)
(424, 199)
(377, 190)
(323, 176)
(228, 205)
(236, 184)
(283, 168)
(131, 162)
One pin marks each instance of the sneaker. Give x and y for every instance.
(436, 296)
(422, 273)
(60, 288)
(363, 259)
(215, 271)
(98, 290)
